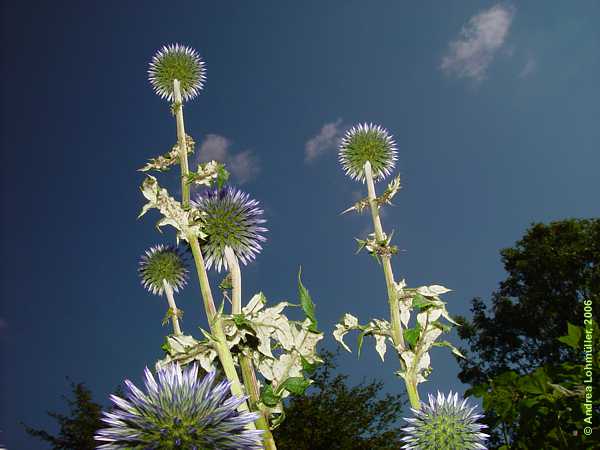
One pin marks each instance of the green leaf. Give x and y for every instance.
(573, 336)
(360, 341)
(222, 176)
(268, 397)
(419, 301)
(307, 304)
(241, 321)
(295, 385)
(450, 346)
(165, 347)
(478, 390)
(307, 366)
(411, 335)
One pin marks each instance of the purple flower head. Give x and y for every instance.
(178, 411)
(231, 219)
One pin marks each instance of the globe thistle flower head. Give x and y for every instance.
(231, 219)
(444, 423)
(179, 62)
(367, 142)
(163, 263)
(178, 411)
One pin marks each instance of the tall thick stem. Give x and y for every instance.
(181, 140)
(248, 374)
(215, 323)
(397, 336)
(173, 307)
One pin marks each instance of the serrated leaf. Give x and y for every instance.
(307, 304)
(411, 335)
(450, 346)
(268, 397)
(573, 336)
(308, 366)
(419, 301)
(295, 385)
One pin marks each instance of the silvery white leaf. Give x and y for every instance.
(350, 321)
(408, 356)
(339, 333)
(424, 362)
(255, 304)
(448, 318)
(380, 345)
(428, 337)
(433, 290)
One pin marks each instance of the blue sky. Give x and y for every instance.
(494, 107)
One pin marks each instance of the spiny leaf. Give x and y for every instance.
(411, 335)
(268, 397)
(295, 385)
(307, 304)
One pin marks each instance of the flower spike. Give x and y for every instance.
(231, 218)
(179, 62)
(364, 143)
(178, 411)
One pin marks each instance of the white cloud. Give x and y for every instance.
(326, 140)
(243, 166)
(529, 67)
(473, 51)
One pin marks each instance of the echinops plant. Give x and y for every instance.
(263, 355)
(368, 153)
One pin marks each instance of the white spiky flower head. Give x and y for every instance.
(179, 62)
(367, 142)
(231, 219)
(163, 263)
(444, 423)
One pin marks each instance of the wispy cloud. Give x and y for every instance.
(529, 67)
(470, 55)
(326, 140)
(244, 166)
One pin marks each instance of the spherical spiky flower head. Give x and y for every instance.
(163, 263)
(179, 62)
(364, 143)
(231, 219)
(444, 424)
(178, 412)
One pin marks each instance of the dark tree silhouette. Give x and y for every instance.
(78, 427)
(551, 271)
(332, 416)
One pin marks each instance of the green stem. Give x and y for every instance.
(173, 306)
(214, 320)
(397, 336)
(185, 187)
(248, 374)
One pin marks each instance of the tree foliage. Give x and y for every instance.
(77, 428)
(545, 406)
(333, 416)
(529, 380)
